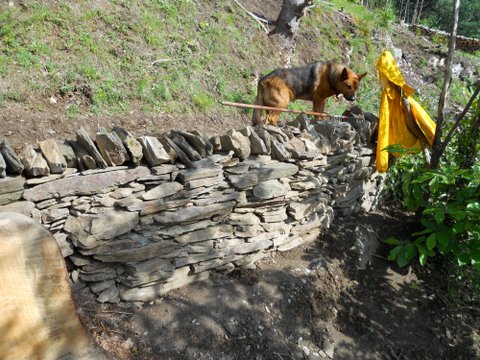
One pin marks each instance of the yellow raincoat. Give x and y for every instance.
(398, 125)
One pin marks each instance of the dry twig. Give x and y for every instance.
(255, 17)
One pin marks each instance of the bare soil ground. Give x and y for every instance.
(309, 303)
(23, 127)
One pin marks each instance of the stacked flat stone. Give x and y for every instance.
(462, 42)
(137, 224)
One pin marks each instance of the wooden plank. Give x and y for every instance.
(37, 313)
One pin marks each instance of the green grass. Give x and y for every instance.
(156, 52)
(367, 19)
(169, 56)
(458, 92)
(72, 111)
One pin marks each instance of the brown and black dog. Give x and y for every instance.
(314, 82)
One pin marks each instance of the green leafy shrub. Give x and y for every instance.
(450, 198)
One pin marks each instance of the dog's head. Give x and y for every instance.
(347, 83)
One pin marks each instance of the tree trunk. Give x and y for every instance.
(437, 142)
(419, 15)
(405, 19)
(402, 4)
(415, 12)
(287, 26)
(288, 20)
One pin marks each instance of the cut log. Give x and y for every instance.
(37, 313)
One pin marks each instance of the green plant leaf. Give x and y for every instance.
(422, 178)
(429, 223)
(422, 249)
(417, 195)
(410, 251)
(463, 259)
(475, 254)
(459, 228)
(393, 254)
(406, 255)
(457, 214)
(423, 232)
(432, 241)
(439, 216)
(402, 261)
(444, 237)
(474, 206)
(469, 226)
(392, 241)
(449, 180)
(434, 184)
(406, 187)
(423, 259)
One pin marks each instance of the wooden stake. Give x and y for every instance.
(263, 107)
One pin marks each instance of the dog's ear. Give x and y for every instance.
(360, 76)
(344, 74)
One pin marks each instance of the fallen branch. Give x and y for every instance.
(255, 17)
(161, 61)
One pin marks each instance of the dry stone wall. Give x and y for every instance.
(137, 217)
(463, 43)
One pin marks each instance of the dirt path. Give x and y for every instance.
(309, 303)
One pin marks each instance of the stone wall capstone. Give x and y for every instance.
(139, 217)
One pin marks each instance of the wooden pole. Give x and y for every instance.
(263, 107)
(437, 150)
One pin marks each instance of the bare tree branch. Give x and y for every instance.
(460, 117)
(437, 142)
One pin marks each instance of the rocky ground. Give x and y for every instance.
(309, 303)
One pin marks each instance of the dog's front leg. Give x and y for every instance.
(319, 106)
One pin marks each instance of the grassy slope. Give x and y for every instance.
(159, 55)
(165, 56)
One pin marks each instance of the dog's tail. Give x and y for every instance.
(257, 113)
